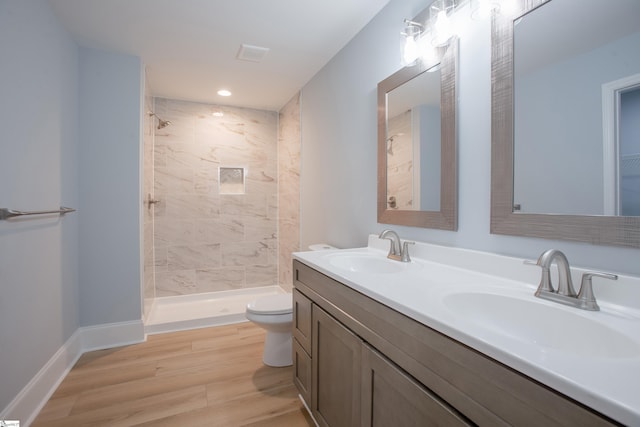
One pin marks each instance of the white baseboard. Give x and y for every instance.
(35, 394)
(28, 403)
(111, 335)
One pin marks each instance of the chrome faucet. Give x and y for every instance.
(398, 251)
(394, 247)
(565, 294)
(565, 285)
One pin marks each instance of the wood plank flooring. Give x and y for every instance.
(204, 377)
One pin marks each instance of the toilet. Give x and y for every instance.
(275, 314)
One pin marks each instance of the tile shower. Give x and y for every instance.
(215, 179)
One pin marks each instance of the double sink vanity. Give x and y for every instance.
(457, 337)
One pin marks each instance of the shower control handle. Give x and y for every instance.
(150, 201)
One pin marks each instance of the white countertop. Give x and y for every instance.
(598, 376)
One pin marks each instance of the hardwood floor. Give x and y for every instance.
(204, 377)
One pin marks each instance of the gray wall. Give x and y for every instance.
(38, 170)
(339, 148)
(111, 93)
(70, 123)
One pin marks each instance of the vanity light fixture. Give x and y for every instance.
(439, 19)
(412, 33)
(421, 41)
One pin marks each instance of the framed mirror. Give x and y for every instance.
(417, 140)
(565, 114)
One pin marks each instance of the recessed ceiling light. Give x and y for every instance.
(224, 92)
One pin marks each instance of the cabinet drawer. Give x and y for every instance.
(302, 320)
(302, 372)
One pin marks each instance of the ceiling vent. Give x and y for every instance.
(252, 53)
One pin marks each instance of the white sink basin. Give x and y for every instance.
(368, 263)
(530, 321)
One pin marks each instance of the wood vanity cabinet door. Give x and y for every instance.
(302, 320)
(390, 397)
(302, 372)
(335, 359)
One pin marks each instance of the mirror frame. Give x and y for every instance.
(594, 229)
(447, 217)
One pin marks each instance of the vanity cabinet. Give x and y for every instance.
(351, 384)
(390, 397)
(335, 361)
(302, 345)
(373, 366)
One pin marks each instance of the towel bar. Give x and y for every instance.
(10, 213)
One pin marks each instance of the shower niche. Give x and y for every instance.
(231, 180)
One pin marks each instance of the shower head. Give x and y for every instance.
(161, 123)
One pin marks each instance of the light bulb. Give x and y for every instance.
(440, 21)
(441, 29)
(411, 51)
(428, 52)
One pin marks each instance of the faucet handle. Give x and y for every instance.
(405, 251)
(586, 298)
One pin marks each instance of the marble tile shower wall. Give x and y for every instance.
(147, 143)
(206, 241)
(289, 189)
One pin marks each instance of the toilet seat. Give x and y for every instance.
(272, 304)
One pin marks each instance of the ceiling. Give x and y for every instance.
(189, 47)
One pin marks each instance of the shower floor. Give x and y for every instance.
(179, 313)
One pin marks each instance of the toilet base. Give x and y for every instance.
(278, 349)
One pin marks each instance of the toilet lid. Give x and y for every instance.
(272, 304)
